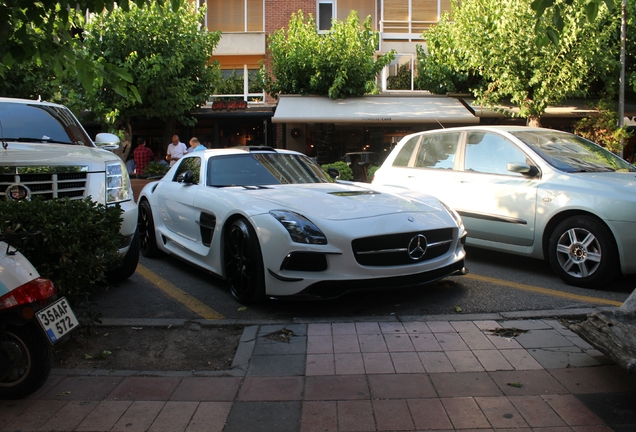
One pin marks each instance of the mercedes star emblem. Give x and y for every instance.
(417, 247)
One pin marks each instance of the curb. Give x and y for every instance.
(576, 313)
(247, 342)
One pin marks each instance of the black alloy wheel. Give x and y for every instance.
(147, 234)
(244, 268)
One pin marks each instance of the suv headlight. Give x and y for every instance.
(117, 183)
(301, 229)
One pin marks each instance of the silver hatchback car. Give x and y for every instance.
(536, 192)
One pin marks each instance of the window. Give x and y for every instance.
(411, 16)
(192, 164)
(438, 151)
(325, 14)
(489, 153)
(235, 86)
(326, 11)
(404, 156)
(235, 16)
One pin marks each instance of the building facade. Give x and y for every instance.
(245, 27)
(240, 113)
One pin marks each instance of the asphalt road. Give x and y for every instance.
(165, 287)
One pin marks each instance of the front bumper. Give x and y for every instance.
(330, 289)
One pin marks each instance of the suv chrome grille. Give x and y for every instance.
(66, 182)
(402, 249)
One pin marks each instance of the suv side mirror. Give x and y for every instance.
(333, 173)
(107, 141)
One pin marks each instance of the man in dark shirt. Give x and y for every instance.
(142, 156)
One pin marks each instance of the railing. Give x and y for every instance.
(404, 29)
(250, 98)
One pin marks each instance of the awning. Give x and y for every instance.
(373, 109)
(570, 108)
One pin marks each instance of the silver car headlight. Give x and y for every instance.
(456, 216)
(301, 229)
(117, 183)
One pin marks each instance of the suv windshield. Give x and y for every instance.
(40, 123)
(572, 153)
(257, 169)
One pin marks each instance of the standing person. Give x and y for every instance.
(176, 150)
(142, 156)
(195, 145)
(359, 170)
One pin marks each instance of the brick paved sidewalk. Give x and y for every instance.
(356, 376)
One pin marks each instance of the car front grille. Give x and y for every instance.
(68, 182)
(403, 248)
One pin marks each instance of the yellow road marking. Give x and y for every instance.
(546, 291)
(179, 295)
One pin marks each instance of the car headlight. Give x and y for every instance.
(455, 216)
(117, 183)
(301, 229)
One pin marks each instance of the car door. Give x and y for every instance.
(176, 200)
(433, 165)
(496, 204)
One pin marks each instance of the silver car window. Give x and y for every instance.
(572, 153)
(438, 150)
(490, 153)
(406, 152)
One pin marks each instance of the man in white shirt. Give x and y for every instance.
(176, 150)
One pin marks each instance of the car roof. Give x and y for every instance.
(505, 128)
(26, 101)
(247, 149)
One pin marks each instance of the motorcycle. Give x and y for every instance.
(32, 320)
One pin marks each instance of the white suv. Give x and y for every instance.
(47, 153)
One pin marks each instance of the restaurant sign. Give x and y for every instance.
(229, 106)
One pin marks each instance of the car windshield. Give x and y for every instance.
(260, 169)
(39, 123)
(572, 153)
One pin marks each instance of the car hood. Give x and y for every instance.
(618, 179)
(606, 183)
(341, 201)
(25, 154)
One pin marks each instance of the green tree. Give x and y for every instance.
(497, 41)
(167, 53)
(29, 80)
(442, 69)
(550, 14)
(46, 32)
(338, 63)
(602, 128)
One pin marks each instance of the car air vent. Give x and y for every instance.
(354, 193)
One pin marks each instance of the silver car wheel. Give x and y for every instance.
(579, 252)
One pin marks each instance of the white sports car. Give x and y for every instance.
(272, 223)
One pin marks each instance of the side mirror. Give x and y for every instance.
(107, 141)
(186, 177)
(522, 168)
(333, 173)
